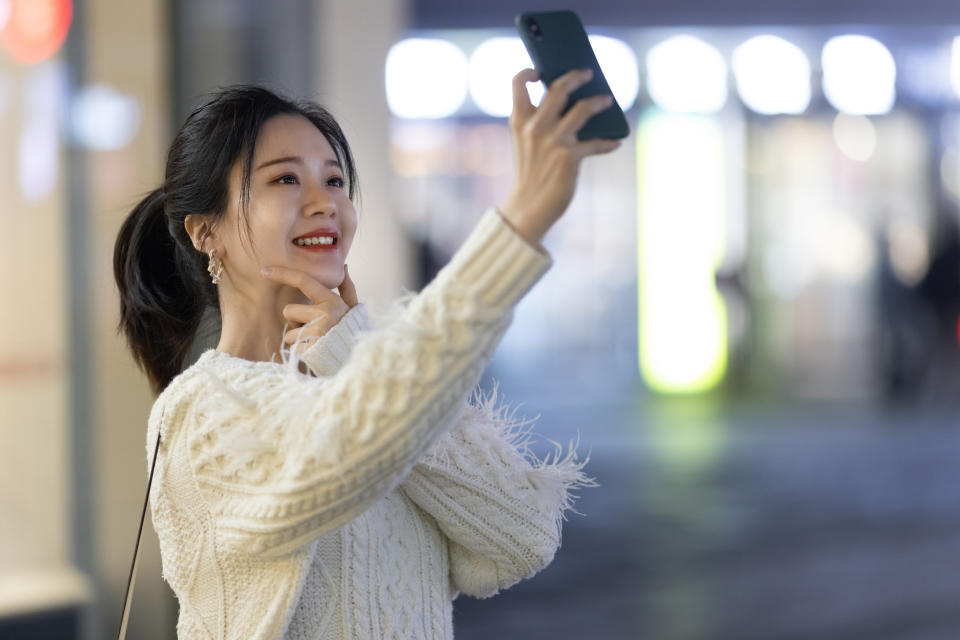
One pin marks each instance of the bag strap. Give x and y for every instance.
(136, 552)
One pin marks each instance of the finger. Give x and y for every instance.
(305, 343)
(299, 346)
(595, 146)
(522, 107)
(303, 313)
(582, 111)
(299, 334)
(303, 340)
(310, 287)
(560, 89)
(347, 289)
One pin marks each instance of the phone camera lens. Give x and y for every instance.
(534, 28)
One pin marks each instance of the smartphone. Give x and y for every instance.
(558, 43)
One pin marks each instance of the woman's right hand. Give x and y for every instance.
(310, 322)
(548, 152)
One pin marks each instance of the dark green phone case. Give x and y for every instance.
(557, 44)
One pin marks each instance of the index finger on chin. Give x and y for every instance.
(310, 287)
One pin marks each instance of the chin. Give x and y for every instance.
(331, 281)
(330, 275)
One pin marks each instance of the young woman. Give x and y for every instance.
(350, 490)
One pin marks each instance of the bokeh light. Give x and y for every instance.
(33, 30)
(855, 136)
(859, 75)
(909, 251)
(955, 66)
(685, 74)
(773, 75)
(492, 66)
(425, 78)
(682, 317)
(103, 118)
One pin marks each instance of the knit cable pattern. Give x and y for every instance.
(353, 501)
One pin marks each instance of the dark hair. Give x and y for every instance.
(165, 288)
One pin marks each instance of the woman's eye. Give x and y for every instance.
(284, 179)
(336, 181)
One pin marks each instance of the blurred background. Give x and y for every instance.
(752, 323)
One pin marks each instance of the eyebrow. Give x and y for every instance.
(329, 163)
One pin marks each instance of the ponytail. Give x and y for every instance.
(162, 299)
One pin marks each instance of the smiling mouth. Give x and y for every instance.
(314, 241)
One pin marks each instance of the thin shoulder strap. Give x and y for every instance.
(136, 552)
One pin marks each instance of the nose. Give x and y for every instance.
(320, 201)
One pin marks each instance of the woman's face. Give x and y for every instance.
(297, 186)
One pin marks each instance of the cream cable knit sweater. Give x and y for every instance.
(359, 501)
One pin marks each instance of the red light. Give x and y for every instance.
(36, 29)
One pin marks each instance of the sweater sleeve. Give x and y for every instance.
(499, 506)
(327, 355)
(282, 457)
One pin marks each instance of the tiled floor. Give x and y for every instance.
(741, 523)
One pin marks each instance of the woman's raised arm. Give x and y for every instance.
(281, 458)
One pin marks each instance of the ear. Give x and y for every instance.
(201, 232)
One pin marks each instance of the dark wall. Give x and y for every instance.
(435, 14)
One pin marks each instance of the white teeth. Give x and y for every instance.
(315, 240)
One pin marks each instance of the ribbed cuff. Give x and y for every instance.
(331, 351)
(497, 262)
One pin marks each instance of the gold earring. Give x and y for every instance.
(215, 267)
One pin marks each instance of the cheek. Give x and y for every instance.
(272, 240)
(350, 224)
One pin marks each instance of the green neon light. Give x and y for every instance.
(680, 239)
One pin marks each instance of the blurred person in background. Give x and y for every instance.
(920, 325)
(351, 489)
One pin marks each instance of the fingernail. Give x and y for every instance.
(588, 73)
(266, 271)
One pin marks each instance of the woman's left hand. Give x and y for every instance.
(310, 322)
